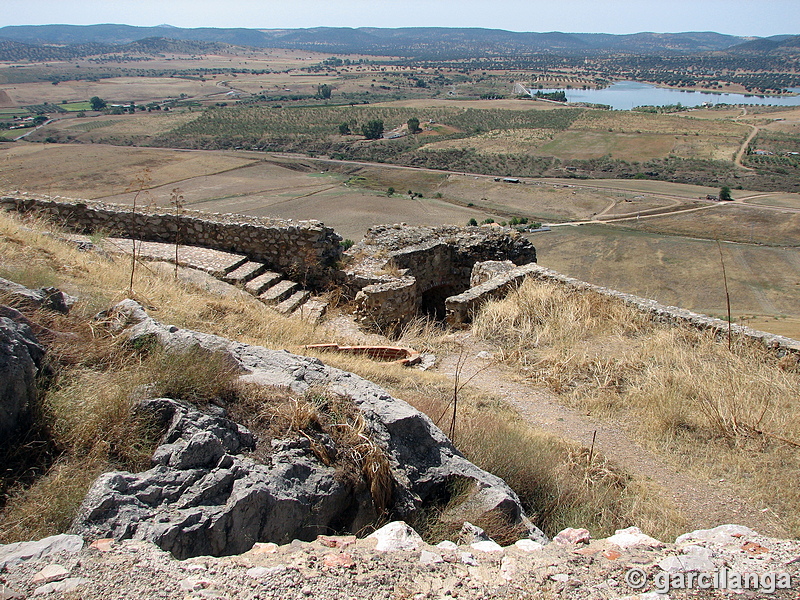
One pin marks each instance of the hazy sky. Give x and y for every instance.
(738, 17)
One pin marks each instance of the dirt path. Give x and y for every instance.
(702, 503)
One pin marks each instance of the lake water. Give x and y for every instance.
(624, 95)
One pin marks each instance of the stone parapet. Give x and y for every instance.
(305, 250)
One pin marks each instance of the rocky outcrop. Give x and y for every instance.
(20, 361)
(49, 298)
(206, 497)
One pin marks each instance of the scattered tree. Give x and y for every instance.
(725, 193)
(373, 130)
(390, 191)
(413, 125)
(97, 103)
(472, 222)
(324, 91)
(344, 129)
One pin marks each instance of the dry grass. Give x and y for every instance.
(734, 413)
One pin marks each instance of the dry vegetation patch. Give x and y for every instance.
(90, 426)
(730, 413)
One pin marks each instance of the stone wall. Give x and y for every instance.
(305, 250)
(461, 308)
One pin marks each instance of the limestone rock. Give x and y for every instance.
(19, 552)
(20, 360)
(204, 497)
(47, 297)
(396, 536)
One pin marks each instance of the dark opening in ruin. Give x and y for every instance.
(433, 299)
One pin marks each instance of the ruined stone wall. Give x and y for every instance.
(306, 250)
(439, 260)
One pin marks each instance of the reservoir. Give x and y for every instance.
(625, 95)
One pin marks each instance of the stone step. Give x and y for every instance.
(229, 268)
(278, 292)
(311, 311)
(245, 272)
(263, 282)
(289, 305)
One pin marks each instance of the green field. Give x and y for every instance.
(76, 106)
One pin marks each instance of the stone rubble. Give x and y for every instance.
(342, 567)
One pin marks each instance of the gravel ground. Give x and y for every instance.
(343, 568)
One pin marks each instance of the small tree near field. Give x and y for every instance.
(97, 103)
(373, 130)
(725, 193)
(324, 91)
(344, 129)
(413, 125)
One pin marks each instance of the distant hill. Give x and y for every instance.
(418, 42)
(13, 50)
(772, 45)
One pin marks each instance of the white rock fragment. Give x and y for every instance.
(723, 534)
(487, 546)
(61, 587)
(50, 573)
(527, 545)
(632, 536)
(684, 564)
(18, 552)
(447, 545)
(468, 559)
(193, 584)
(262, 572)
(430, 558)
(560, 577)
(395, 536)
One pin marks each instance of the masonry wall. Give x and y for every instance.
(305, 250)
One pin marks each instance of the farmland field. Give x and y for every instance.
(657, 240)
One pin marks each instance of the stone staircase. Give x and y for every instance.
(285, 297)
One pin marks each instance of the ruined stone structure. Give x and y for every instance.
(398, 271)
(305, 250)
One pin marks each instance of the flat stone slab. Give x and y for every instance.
(289, 305)
(312, 311)
(245, 272)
